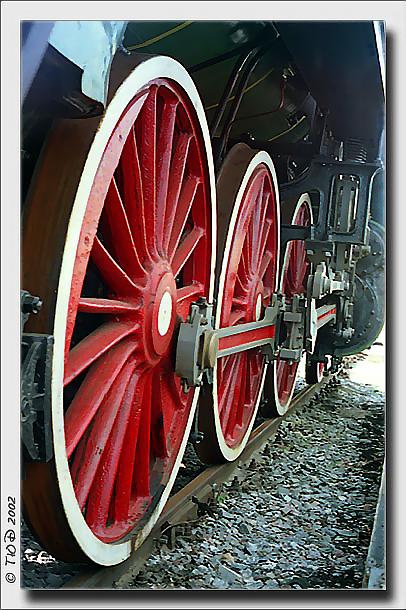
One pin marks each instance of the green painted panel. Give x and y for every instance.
(190, 42)
(193, 42)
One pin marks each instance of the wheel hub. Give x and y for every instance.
(160, 307)
(258, 307)
(165, 313)
(256, 300)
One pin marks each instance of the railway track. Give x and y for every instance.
(195, 496)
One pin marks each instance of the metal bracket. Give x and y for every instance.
(324, 281)
(189, 346)
(28, 304)
(294, 318)
(294, 232)
(342, 185)
(36, 359)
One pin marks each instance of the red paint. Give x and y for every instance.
(331, 312)
(146, 231)
(240, 339)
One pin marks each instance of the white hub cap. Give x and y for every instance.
(258, 308)
(313, 323)
(165, 313)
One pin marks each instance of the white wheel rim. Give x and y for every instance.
(165, 67)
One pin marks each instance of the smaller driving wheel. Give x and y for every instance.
(282, 374)
(246, 277)
(314, 371)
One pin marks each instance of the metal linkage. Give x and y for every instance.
(233, 94)
(325, 314)
(325, 282)
(235, 339)
(200, 345)
(303, 320)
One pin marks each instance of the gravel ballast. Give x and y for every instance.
(299, 516)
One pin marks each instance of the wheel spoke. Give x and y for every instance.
(239, 302)
(255, 224)
(101, 430)
(114, 276)
(236, 315)
(247, 254)
(120, 229)
(266, 260)
(229, 381)
(243, 267)
(93, 390)
(239, 402)
(185, 202)
(280, 371)
(159, 405)
(181, 197)
(127, 457)
(133, 196)
(241, 287)
(185, 249)
(251, 386)
(105, 306)
(255, 363)
(79, 455)
(141, 475)
(94, 345)
(164, 169)
(263, 240)
(148, 165)
(264, 225)
(102, 488)
(173, 385)
(187, 292)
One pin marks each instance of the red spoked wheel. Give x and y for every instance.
(137, 251)
(247, 271)
(315, 370)
(293, 280)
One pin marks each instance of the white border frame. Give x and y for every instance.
(394, 14)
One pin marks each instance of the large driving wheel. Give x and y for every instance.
(246, 277)
(118, 242)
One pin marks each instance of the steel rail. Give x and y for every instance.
(183, 505)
